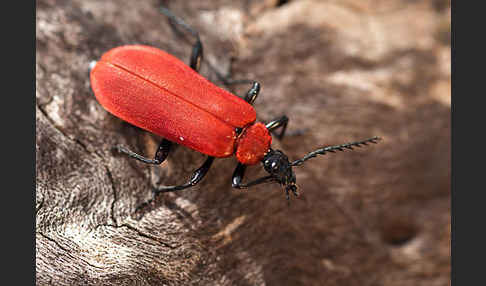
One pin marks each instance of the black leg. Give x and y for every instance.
(227, 79)
(197, 48)
(160, 156)
(196, 56)
(279, 122)
(196, 177)
(239, 173)
(252, 93)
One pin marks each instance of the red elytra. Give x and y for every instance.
(155, 91)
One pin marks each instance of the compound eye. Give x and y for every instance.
(274, 166)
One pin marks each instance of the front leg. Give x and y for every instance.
(239, 173)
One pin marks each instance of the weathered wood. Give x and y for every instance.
(343, 70)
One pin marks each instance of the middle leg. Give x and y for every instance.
(280, 122)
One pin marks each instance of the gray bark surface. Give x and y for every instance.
(342, 70)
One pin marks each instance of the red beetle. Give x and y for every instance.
(155, 91)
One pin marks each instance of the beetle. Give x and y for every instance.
(153, 90)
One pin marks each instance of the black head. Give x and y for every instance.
(277, 164)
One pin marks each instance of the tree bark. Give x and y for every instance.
(341, 70)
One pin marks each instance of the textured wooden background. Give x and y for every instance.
(344, 70)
